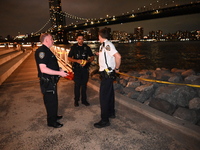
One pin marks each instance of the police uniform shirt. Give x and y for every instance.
(80, 52)
(107, 48)
(43, 55)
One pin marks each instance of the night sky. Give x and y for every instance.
(26, 16)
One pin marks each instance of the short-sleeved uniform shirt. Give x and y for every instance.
(80, 52)
(107, 49)
(43, 55)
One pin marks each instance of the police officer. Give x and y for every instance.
(109, 62)
(79, 55)
(49, 72)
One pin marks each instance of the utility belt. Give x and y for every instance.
(108, 74)
(78, 66)
(48, 84)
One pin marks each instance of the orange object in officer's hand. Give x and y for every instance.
(70, 76)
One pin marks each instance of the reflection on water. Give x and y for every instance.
(182, 55)
(152, 55)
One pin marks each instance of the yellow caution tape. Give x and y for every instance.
(158, 81)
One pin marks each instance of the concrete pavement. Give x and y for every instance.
(23, 120)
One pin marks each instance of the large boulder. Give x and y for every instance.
(191, 79)
(163, 75)
(175, 78)
(175, 70)
(162, 105)
(196, 81)
(186, 114)
(118, 88)
(176, 95)
(142, 79)
(128, 90)
(194, 103)
(123, 82)
(147, 91)
(133, 84)
(145, 87)
(188, 73)
(133, 94)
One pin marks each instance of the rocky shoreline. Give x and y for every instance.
(178, 98)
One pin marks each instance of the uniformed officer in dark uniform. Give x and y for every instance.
(109, 63)
(49, 72)
(79, 55)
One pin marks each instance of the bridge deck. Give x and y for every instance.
(23, 120)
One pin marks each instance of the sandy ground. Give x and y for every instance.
(23, 121)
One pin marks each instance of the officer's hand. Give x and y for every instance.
(97, 53)
(61, 69)
(63, 73)
(116, 71)
(79, 61)
(84, 62)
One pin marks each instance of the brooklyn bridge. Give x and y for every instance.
(159, 9)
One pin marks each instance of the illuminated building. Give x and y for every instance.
(139, 33)
(56, 14)
(57, 20)
(94, 33)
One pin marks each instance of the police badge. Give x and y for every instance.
(41, 55)
(108, 47)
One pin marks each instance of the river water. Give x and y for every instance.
(152, 55)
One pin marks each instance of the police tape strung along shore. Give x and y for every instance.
(158, 81)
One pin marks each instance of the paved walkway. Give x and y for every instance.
(23, 121)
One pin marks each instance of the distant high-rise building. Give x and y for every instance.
(152, 35)
(94, 33)
(139, 32)
(159, 34)
(120, 35)
(198, 35)
(56, 14)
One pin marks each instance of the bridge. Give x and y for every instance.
(159, 9)
(139, 16)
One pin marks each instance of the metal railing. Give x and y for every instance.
(62, 56)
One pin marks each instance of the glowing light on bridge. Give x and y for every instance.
(132, 16)
(113, 18)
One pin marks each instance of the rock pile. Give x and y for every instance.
(178, 99)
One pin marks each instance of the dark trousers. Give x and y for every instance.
(107, 100)
(51, 105)
(81, 76)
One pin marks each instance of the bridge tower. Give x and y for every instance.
(56, 14)
(58, 20)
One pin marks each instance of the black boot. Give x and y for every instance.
(102, 124)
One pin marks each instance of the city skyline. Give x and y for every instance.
(30, 16)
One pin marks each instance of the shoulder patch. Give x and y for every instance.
(41, 55)
(108, 47)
